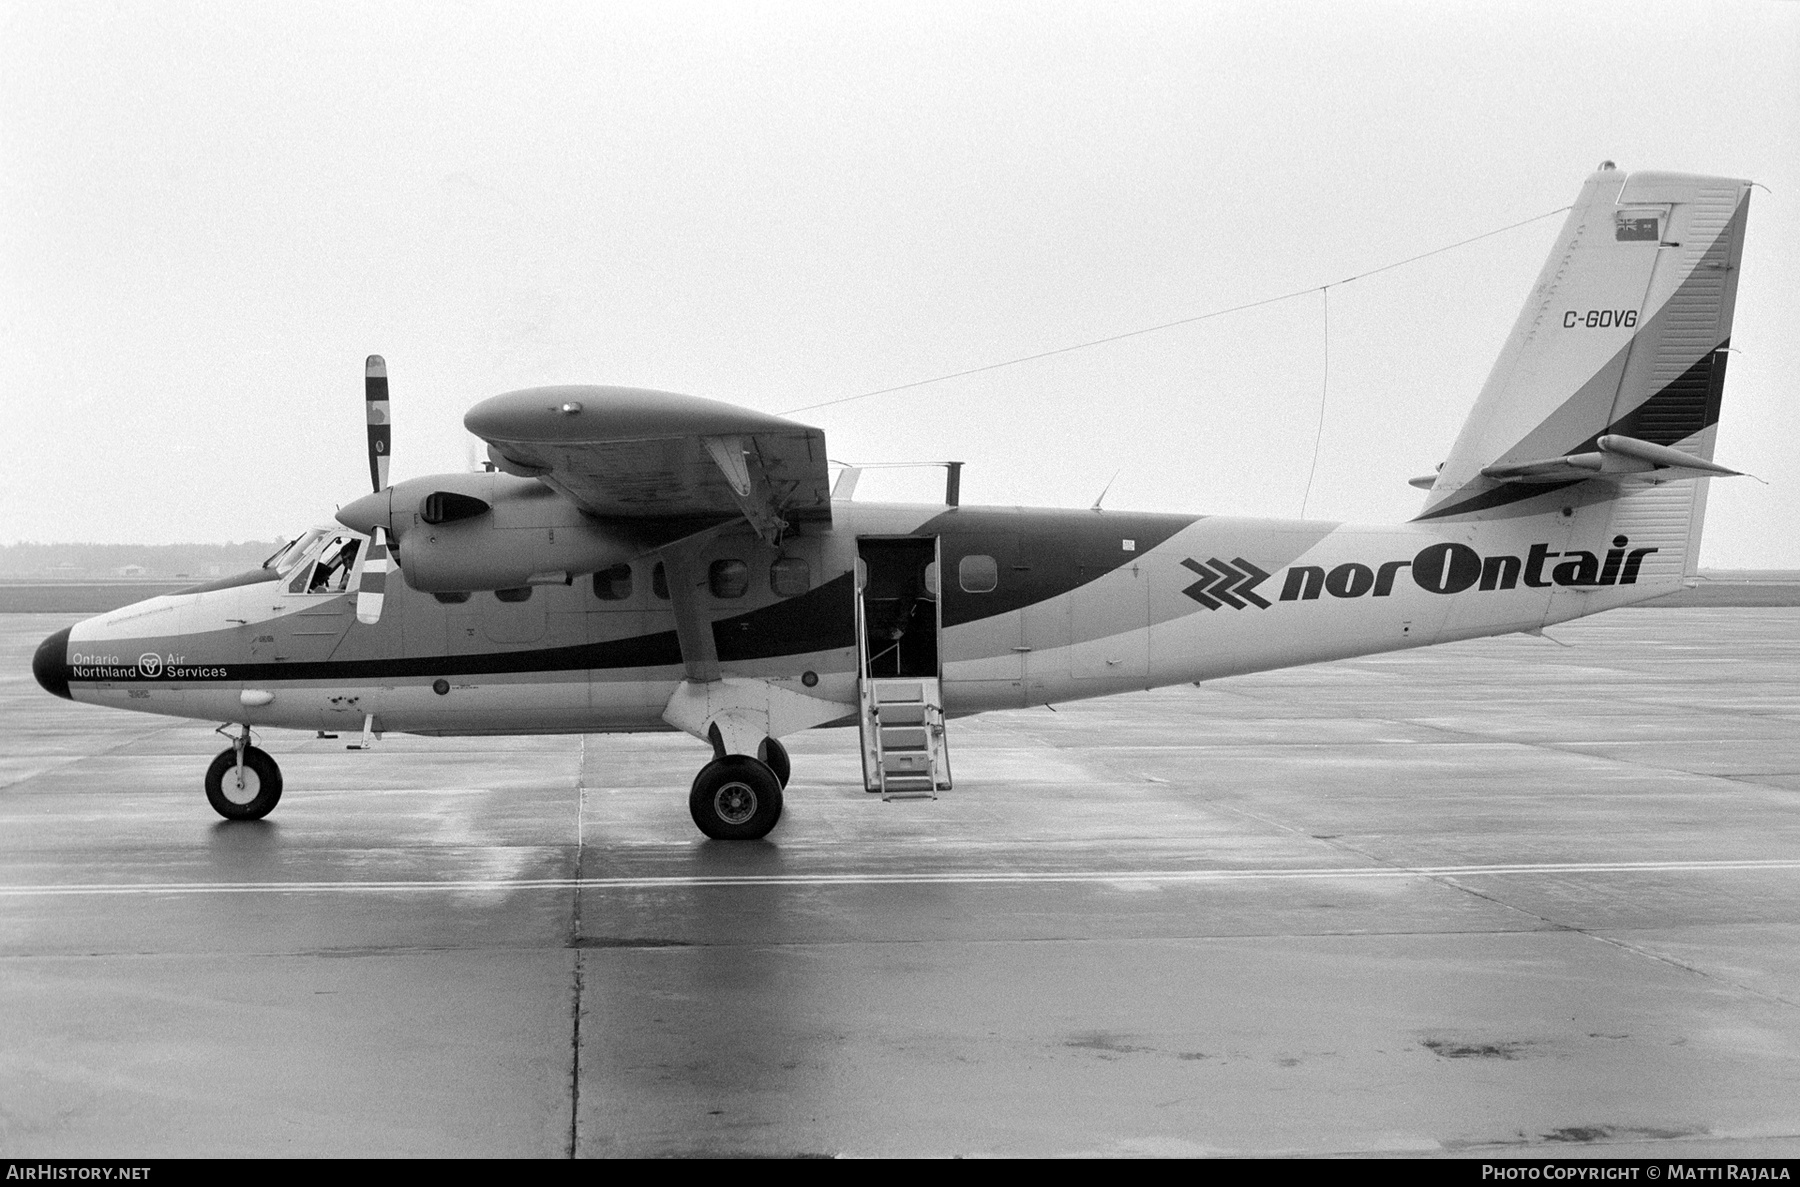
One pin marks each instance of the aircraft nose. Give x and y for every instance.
(51, 664)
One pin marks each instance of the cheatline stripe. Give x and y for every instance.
(948, 878)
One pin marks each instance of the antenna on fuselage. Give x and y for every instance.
(1102, 496)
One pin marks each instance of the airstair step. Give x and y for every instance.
(909, 787)
(904, 755)
(888, 693)
(903, 738)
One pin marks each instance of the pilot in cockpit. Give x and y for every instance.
(332, 573)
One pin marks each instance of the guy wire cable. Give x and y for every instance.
(1169, 325)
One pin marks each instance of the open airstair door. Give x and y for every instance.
(902, 721)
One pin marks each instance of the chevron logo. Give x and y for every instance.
(1222, 585)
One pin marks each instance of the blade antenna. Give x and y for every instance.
(1102, 496)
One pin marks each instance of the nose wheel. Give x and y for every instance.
(248, 791)
(735, 798)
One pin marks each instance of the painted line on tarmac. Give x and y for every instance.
(948, 878)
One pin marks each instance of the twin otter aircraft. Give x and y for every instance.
(645, 561)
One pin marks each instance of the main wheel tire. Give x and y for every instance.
(775, 757)
(260, 792)
(735, 798)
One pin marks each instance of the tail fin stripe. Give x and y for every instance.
(1687, 405)
(1500, 496)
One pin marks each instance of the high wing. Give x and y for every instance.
(633, 453)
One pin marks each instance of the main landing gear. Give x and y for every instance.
(243, 783)
(738, 798)
(733, 798)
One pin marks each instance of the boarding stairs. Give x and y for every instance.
(905, 756)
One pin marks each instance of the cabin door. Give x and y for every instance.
(897, 607)
(902, 706)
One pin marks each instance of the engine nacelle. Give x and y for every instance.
(453, 532)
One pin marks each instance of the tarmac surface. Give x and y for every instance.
(1498, 898)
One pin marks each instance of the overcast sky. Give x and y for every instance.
(213, 212)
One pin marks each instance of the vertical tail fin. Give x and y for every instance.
(1621, 346)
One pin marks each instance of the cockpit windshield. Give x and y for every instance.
(288, 555)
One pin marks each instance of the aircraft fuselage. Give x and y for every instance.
(1031, 606)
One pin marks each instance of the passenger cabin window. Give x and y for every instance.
(520, 594)
(728, 578)
(614, 584)
(659, 581)
(790, 576)
(978, 574)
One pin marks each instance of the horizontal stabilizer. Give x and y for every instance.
(1617, 457)
(1661, 456)
(1571, 467)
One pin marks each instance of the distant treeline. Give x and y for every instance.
(131, 560)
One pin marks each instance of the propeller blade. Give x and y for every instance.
(371, 580)
(375, 397)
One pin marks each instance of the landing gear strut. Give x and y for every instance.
(243, 783)
(736, 798)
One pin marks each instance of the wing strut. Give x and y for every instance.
(750, 487)
(681, 568)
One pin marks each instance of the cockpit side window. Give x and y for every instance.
(301, 562)
(332, 573)
(326, 565)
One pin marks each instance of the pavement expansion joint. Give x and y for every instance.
(1686, 967)
(577, 978)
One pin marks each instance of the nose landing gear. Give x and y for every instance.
(243, 783)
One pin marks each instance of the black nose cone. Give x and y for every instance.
(51, 664)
